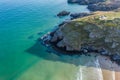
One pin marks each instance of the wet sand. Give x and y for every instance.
(73, 68)
(110, 70)
(99, 68)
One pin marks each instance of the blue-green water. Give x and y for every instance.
(20, 23)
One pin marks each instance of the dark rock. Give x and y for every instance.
(85, 51)
(46, 39)
(98, 5)
(31, 37)
(49, 51)
(63, 13)
(115, 57)
(104, 6)
(62, 23)
(89, 55)
(39, 33)
(85, 2)
(72, 1)
(79, 15)
(95, 56)
(103, 52)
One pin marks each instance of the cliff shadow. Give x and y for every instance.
(92, 60)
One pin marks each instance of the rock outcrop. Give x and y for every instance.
(98, 5)
(63, 13)
(104, 6)
(100, 30)
(85, 2)
(99, 33)
(79, 15)
(95, 30)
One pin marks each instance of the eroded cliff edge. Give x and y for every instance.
(99, 32)
(98, 5)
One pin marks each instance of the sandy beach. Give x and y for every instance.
(110, 70)
(99, 68)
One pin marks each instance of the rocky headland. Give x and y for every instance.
(98, 5)
(85, 2)
(98, 33)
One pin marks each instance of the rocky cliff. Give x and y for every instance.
(98, 5)
(104, 6)
(100, 30)
(85, 2)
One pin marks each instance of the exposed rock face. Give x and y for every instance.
(79, 15)
(98, 5)
(74, 37)
(63, 13)
(103, 34)
(73, 1)
(104, 6)
(85, 2)
(116, 58)
(98, 33)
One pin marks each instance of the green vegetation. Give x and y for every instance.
(102, 29)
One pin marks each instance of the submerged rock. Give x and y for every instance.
(63, 13)
(46, 39)
(31, 37)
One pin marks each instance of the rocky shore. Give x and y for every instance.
(104, 6)
(96, 33)
(79, 15)
(63, 13)
(98, 5)
(85, 2)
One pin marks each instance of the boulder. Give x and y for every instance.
(115, 57)
(63, 13)
(103, 51)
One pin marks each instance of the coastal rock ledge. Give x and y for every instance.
(99, 33)
(63, 13)
(98, 5)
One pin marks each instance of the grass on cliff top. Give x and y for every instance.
(75, 31)
(110, 15)
(77, 24)
(100, 18)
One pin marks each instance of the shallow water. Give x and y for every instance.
(22, 22)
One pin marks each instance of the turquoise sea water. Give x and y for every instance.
(21, 58)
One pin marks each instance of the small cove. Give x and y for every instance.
(23, 58)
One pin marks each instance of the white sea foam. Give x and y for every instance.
(90, 73)
(99, 70)
(79, 74)
(113, 75)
